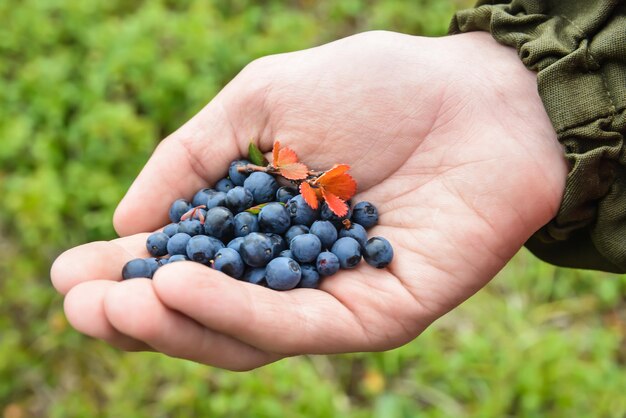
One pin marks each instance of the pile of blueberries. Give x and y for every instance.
(286, 245)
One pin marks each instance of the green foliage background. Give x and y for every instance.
(87, 89)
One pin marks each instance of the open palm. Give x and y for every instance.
(451, 145)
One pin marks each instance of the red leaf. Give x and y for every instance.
(338, 182)
(335, 204)
(308, 193)
(286, 156)
(275, 152)
(295, 171)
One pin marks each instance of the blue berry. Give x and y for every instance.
(282, 273)
(191, 227)
(348, 251)
(355, 231)
(156, 244)
(170, 229)
(328, 215)
(136, 268)
(229, 261)
(295, 230)
(286, 253)
(201, 197)
(378, 252)
(254, 275)
(244, 223)
(224, 185)
(365, 214)
(219, 223)
(202, 249)
(326, 232)
(309, 277)
(274, 218)
(301, 213)
(235, 243)
(327, 263)
(177, 257)
(256, 249)
(305, 248)
(216, 199)
(283, 194)
(177, 244)
(154, 264)
(262, 186)
(239, 199)
(235, 176)
(178, 209)
(278, 244)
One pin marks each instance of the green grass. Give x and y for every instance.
(87, 89)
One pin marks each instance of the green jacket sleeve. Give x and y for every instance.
(578, 49)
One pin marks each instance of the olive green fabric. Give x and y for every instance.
(578, 48)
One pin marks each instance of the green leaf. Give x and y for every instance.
(256, 209)
(255, 155)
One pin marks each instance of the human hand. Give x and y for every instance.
(446, 136)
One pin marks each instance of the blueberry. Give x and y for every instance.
(328, 215)
(239, 199)
(378, 252)
(202, 249)
(254, 275)
(244, 223)
(256, 249)
(191, 227)
(286, 253)
(178, 209)
(283, 194)
(235, 243)
(219, 223)
(305, 248)
(136, 268)
(177, 257)
(295, 230)
(229, 261)
(154, 264)
(201, 197)
(278, 244)
(282, 273)
(262, 186)
(348, 251)
(366, 214)
(355, 231)
(301, 213)
(177, 244)
(157, 244)
(309, 277)
(235, 176)
(224, 185)
(274, 218)
(326, 232)
(216, 199)
(327, 263)
(170, 229)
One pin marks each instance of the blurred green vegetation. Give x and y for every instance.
(88, 88)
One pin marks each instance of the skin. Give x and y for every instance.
(447, 136)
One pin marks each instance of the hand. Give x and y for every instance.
(447, 136)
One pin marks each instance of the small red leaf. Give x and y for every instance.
(275, 152)
(335, 204)
(295, 171)
(308, 193)
(338, 182)
(287, 156)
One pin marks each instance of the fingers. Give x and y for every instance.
(294, 322)
(84, 309)
(96, 261)
(133, 308)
